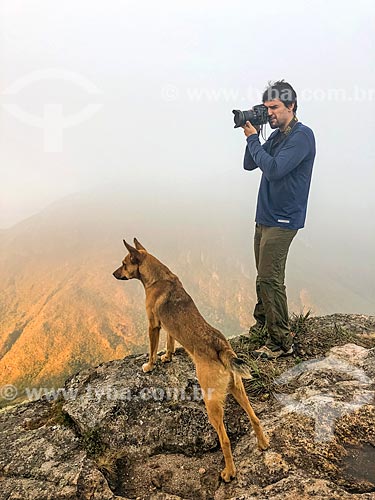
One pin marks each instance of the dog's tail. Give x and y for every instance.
(241, 367)
(232, 362)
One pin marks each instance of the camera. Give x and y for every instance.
(256, 116)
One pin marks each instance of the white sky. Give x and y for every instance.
(162, 79)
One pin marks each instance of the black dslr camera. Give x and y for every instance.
(256, 116)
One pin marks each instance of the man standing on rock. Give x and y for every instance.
(286, 161)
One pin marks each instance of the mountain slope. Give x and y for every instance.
(62, 310)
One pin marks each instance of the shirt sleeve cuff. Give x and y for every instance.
(252, 138)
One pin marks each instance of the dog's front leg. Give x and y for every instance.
(153, 334)
(169, 350)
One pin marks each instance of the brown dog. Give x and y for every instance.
(219, 371)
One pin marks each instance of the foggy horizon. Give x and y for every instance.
(141, 99)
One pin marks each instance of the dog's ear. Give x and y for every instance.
(135, 256)
(138, 246)
(129, 247)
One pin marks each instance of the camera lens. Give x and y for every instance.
(239, 118)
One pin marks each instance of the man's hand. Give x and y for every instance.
(249, 129)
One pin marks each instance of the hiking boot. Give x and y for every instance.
(267, 353)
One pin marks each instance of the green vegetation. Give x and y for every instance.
(93, 443)
(264, 372)
(298, 323)
(58, 416)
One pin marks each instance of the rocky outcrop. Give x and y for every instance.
(117, 433)
(43, 460)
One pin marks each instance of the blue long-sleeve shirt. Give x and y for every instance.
(286, 176)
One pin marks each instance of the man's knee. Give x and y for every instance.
(271, 282)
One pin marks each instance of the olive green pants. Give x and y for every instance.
(271, 245)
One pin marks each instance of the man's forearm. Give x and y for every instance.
(288, 158)
(248, 162)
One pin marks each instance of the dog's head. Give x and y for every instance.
(130, 265)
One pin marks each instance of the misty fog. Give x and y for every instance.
(158, 83)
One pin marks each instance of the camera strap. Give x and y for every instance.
(281, 136)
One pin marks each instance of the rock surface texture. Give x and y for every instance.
(117, 433)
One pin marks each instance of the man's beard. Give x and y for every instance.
(273, 124)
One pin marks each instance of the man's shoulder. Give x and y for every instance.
(300, 127)
(304, 136)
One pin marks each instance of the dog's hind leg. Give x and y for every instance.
(215, 413)
(214, 382)
(237, 390)
(169, 349)
(153, 334)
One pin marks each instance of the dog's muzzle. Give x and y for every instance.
(118, 277)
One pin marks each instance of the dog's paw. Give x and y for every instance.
(228, 474)
(263, 444)
(147, 367)
(166, 358)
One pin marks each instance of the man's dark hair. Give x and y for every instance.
(281, 90)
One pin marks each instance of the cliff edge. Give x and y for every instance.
(114, 432)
